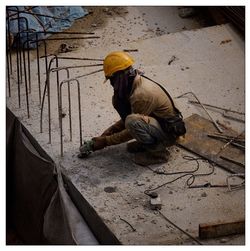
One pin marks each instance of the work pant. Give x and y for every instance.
(147, 131)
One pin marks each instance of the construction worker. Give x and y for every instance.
(147, 113)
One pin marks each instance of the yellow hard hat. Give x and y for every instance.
(116, 61)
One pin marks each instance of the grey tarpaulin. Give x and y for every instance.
(38, 206)
(62, 209)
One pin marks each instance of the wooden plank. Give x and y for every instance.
(197, 141)
(213, 230)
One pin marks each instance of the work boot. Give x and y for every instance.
(149, 158)
(135, 147)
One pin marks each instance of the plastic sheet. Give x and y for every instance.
(38, 206)
(63, 19)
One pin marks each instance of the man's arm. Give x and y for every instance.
(117, 127)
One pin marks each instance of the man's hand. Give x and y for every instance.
(99, 143)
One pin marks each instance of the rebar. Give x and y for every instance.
(36, 14)
(61, 115)
(19, 47)
(214, 122)
(79, 106)
(77, 66)
(8, 25)
(87, 74)
(18, 76)
(217, 107)
(47, 85)
(9, 43)
(230, 142)
(232, 161)
(76, 58)
(25, 79)
(65, 32)
(19, 79)
(57, 70)
(19, 55)
(8, 68)
(38, 70)
(224, 138)
(66, 38)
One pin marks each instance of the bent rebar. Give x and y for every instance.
(214, 122)
(61, 115)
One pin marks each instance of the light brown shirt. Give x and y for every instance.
(148, 99)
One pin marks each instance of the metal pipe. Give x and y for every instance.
(214, 122)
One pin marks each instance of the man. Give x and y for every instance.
(147, 113)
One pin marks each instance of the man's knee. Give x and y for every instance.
(132, 121)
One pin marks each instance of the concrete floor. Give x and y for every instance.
(215, 71)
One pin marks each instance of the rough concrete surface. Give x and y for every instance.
(108, 179)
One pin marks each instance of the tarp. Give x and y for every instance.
(38, 206)
(64, 17)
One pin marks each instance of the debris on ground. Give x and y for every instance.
(108, 182)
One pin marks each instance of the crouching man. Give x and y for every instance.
(148, 114)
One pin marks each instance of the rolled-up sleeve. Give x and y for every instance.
(118, 138)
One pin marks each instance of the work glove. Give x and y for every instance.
(99, 143)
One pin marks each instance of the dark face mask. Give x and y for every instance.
(122, 83)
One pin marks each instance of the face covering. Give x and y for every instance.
(122, 83)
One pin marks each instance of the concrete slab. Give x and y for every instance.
(215, 72)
